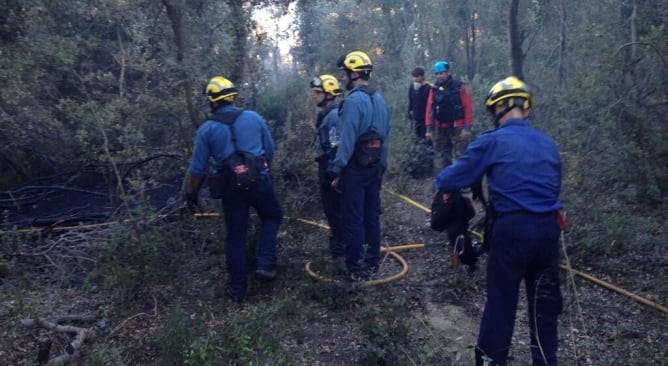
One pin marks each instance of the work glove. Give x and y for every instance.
(192, 202)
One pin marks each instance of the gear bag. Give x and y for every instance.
(446, 105)
(466, 249)
(451, 211)
(241, 170)
(369, 148)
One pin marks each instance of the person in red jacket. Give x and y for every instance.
(449, 114)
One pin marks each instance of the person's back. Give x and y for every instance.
(360, 161)
(365, 109)
(228, 133)
(523, 170)
(215, 138)
(526, 172)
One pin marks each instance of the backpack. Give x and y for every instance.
(369, 146)
(446, 104)
(241, 170)
(455, 210)
(453, 215)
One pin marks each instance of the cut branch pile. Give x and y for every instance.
(72, 350)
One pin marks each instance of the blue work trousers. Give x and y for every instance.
(331, 204)
(360, 217)
(523, 246)
(236, 207)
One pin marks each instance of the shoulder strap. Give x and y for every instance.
(366, 89)
(229, 118)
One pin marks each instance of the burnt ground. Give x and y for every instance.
(56, 202)
(434, 309)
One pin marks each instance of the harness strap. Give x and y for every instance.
(229, 118)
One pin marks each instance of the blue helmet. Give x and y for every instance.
(441, 66)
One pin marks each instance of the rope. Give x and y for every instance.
(565, 267)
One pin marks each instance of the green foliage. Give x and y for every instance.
(418, 161)
(246, 338)
(106, 357)
(383, 322)
(294, 167)
(137, 257)
(100, 83)
(204, 351)
(174, 337)
(16, 305)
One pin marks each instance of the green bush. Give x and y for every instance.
(175, 336)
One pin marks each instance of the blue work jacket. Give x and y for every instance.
(213, 139)
(522, 165)
(357, 115)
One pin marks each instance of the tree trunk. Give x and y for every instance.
(174, 14)
(470, 47)
(562, 42)
(515, 39)
(238, 41)
(634, 32)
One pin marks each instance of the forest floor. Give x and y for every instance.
(428, 316)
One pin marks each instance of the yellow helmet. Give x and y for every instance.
(511, 92)
(220, 88)
(327, 84)
(357, 61)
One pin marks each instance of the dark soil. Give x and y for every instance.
(442, 304)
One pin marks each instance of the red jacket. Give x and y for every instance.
(467, 105)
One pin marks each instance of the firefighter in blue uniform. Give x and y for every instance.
(523, 170)
(325, 91)
(360, 161)
(214, 140)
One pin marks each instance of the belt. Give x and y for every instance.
(526, 213)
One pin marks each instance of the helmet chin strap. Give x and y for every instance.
(498, 116)
(351, 80)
